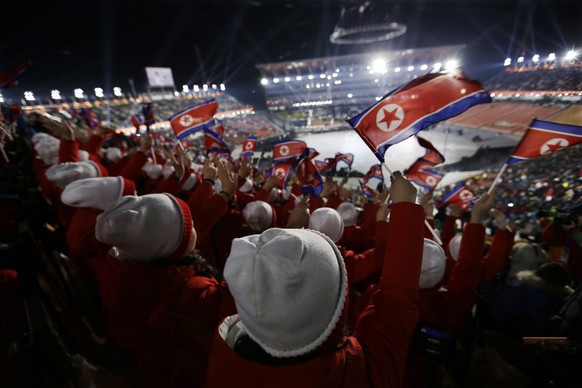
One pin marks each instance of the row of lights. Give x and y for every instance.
(205, 88)
(78, 93)
(377, 66)
(570, 56)
(313, 103)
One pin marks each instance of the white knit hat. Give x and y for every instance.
(259, 215)
(289, 286)
(147, 228)
(154, 171)
(65, 173)
(348, 212)
(433, 265)
(190, 182)
(47, 148)
(247, 186)
(327, 221)
(97, 193)
(83, 155)
(113, 154)
(167, 170)
(455, 246)
(37, 137)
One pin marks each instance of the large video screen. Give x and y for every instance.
(159, 77)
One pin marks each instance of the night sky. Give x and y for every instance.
(90, 44)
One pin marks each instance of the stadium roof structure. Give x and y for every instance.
(406, 56)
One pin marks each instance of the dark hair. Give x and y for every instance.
(247, 348)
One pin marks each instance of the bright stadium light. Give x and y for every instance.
(318, 85)
(196, 88)
(176, 93)
(205, 87)
(287, 79)
(185, 89)
(570, 55)
(78, 93)
(520, 59)
(397, 70)
(378, 65)
(222, 87)
(437, 66)
(307, 86)
(310, 76)
(29, 96)
(424, 67)
(298, 78)
(535, 58)
(99, 93)
(275, 80)
(117, 91)
(55, 94)
(410, 68)
(1, 98)
(552, 57)
(264, 81)
(322, 76)
(451, 64)
(350, 95)
(214, 86)
(337, 82)
(507, 62)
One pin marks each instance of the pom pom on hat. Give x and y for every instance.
(433, 265)
(290, 288)
(65, 173)
(247, 186)
(167, 170)
(190, 182)
(113, 154)
(327, 221)
(348, 212)
(455, 246)
(259, 215)
(83, 155)
(97, 193)
(147, 228)
(153, 171)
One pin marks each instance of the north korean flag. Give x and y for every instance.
(374, 172)
(544, 137)
(136, 121)
(368, 191)
(309, 177)
(425, 178)
(282, 169)
(194, 118)
(347, 158)
(460, 194)
(288, 150)
(213, 143)
(148, 114)
(248, 147)
(325, 166)
(89, 117)
(422, 102)
(313, 153)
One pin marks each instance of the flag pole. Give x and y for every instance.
(497, 178)
(426, 223)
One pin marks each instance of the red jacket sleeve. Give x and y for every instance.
(386, 326)
(262, 195)
(133, 167)
(201, 194)
(333, 201)
(94, 144)
(497, 255)
(170, 185)
(360, 266)
(462, 286)
(68, 151)
(208, 215)
(448, 232)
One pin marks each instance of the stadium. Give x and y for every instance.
(317, 194)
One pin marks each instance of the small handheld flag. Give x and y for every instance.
(213, 143)
(425, 178)
(374, 172)
(325, 166)
(309, 177)
(282, 170)
(422, 102)
(347, 158)
(248, 147)
(460, 194)
(194, 118)
(288, 150)
(89, 117)
(136, 121)
(148, 114)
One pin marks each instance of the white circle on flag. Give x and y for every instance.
(284, 150)
(430, 180)
(279, 172)
(465, 195)
(249, 146)
(389, 117)
(554, 145)
(186, 120)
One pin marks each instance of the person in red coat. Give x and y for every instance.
(160, 300)
(290, 288)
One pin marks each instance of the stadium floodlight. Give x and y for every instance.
(298, 78)
(322, 76)
(350, 95)
(78, 93)
(185, 89)
(196, 88)
(310, 76)
(378, 65)
(552, 57)
(410, 68)
(520, 59)
(264, 81)
(334, 75)
(327, 84)
(424, 67)
(378, 98)
(329, 77)
(570, 55)
(117, 91)
(99, 93)
(214, 86)
(397, 70)
(451, 64)
(205, 87)
(29, 96)
(376, 81)
(507, 62)
(307, 86)
(337, 70)
(437, 66)
(275, 80)
(1, 98)
(535, 58)
(176, 93)
(287, 79)
(318, 85)
(222, 87)
(55, 94)
(351, 75)
(337, 82)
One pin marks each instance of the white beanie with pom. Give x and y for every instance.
(348, 212)
(259, 215)
(455, 246)
(327, 221)
(153, 171)
(65, 173)
(290, 288)
(433, 265)
(190, 182)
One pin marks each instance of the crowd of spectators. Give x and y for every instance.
(538, 79)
